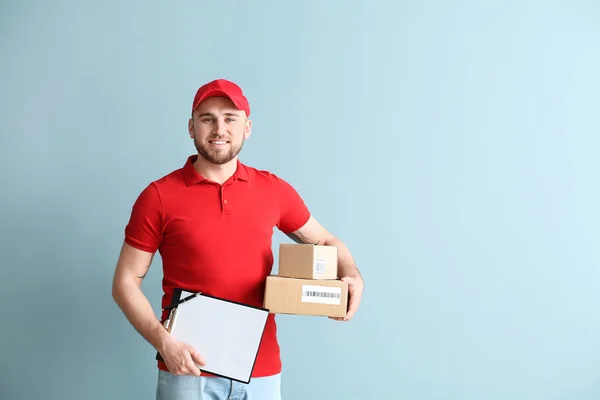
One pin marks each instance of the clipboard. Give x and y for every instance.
(227, 334)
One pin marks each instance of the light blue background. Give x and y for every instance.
(452, 145)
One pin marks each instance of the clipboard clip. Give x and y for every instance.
(174, 305)
(171, 318)
(169, 322)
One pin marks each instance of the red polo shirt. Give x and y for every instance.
(217, 239)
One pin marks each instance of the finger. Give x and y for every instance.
(196, 357)
(350, 281)
(352, 307)
(348, 316)
(191, 367)
(352, 298)
(180, 368)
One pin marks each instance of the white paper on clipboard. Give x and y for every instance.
(226, 334)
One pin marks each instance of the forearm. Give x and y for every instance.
(130, 298)
(346, 264)
(312, 232)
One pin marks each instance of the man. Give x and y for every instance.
(212, 222)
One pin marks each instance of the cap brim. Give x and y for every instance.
(238, 103)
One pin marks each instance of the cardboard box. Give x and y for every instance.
(308, 261)
(318, 297)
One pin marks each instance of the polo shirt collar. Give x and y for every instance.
(192, 177)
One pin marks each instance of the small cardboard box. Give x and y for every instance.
(308, 261)
(318, 297)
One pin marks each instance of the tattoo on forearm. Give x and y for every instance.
(145, 273)
(298, 237)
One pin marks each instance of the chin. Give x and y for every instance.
(219, 159)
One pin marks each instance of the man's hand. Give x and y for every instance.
(181, 358)
(314, 233)
(355, 290)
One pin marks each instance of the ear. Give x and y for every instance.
(248, 129)
(191, 128)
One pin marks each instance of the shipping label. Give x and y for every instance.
(322, 295)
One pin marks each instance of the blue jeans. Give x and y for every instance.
(187, 387)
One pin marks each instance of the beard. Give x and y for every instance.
(219, 156)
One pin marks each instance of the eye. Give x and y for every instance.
(206, 120)
(229, 119)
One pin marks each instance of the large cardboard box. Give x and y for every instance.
(316, 297)
(308, 261)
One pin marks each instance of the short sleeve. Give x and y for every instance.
(293, 212)
(144, 229)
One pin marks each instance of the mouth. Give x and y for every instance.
(218, 142)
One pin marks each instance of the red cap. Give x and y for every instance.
(222, 87)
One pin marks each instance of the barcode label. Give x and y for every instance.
(320, 267)
(321, 294)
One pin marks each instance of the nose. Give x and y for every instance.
(219, 127)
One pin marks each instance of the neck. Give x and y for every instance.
(215, 172)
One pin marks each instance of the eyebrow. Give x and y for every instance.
(228, 114)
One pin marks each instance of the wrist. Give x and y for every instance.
(350, 273)
(160, 337)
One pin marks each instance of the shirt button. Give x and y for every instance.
(225, 201)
